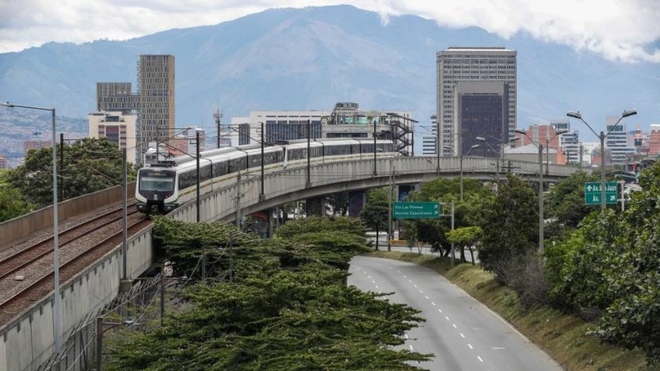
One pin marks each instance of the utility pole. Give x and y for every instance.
(389, 209)
(217, 115)
(61, 166)
(309, 154)
(453, 251)
(238, 200)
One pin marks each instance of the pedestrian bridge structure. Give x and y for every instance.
(27, 341)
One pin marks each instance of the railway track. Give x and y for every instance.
(27, 275)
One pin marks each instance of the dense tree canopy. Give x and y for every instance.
(610, 269)
(509, 224)
(374, 214)
(565, 203)
(446, 191)
(12, 202)
(286, 308)
(90, 165)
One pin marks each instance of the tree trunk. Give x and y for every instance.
(472, 254)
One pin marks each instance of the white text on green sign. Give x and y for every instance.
(416, 210)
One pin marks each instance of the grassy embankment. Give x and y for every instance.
(562, 336)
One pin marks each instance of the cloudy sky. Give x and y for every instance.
(626, 30)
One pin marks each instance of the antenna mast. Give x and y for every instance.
(217, 115)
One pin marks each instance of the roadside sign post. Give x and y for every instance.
(417, 210)
(592, 193)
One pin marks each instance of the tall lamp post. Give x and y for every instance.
(541, 218)
(602, 136)
(461, 166)
(499, 154)
(57, 301)
(547, 149)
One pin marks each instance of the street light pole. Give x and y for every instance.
(262, 195)
(540, 194)
(602, 136)
(197, 159)
(498, 153)
(461, 168)
(547, 150)
(57, 300)
(541, 217)
(375, 168)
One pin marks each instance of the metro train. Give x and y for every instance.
(164, 186)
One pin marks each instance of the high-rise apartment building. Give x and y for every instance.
(616, 143)
(430, 139)
(480, 110)
(116, 127)
(477, 64)
(116, 97)
(154, 100)
(654, 140)
(156, 89)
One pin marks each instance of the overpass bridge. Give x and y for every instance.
(28, 340)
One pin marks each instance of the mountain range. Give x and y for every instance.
(311, 58)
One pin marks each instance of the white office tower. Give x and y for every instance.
(478, 64)
(617, 148)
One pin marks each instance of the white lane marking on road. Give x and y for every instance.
(447, 318)
(440, 310)
(421, 292)
(463, 336)
(427, 298)
(433, 303)
(376, 286)
(470, 345)
(480, 359)
(398, 271)
(415, 285)
(499, 348)
(410, 281)
(454, 325)
(411, 348)
(369, 277)
(406, 336)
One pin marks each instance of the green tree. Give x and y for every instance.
(565, 204)
(509, 225)
(12, 202)
(465, 237)
(446, 190)
(374, 213)
(90, 165)
(288, 308)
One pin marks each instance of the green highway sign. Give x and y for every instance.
(416, 210)
(592, 193)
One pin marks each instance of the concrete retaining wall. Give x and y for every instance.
(27, 341)
(17, 229)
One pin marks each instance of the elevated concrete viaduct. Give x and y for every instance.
(27, 341)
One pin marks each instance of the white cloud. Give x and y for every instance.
(616, 29)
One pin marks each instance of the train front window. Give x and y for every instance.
(157, 183)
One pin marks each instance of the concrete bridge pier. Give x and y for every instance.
(356, 201)
(315, 206)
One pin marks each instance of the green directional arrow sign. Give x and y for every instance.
(416, 210)
(592, 193)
